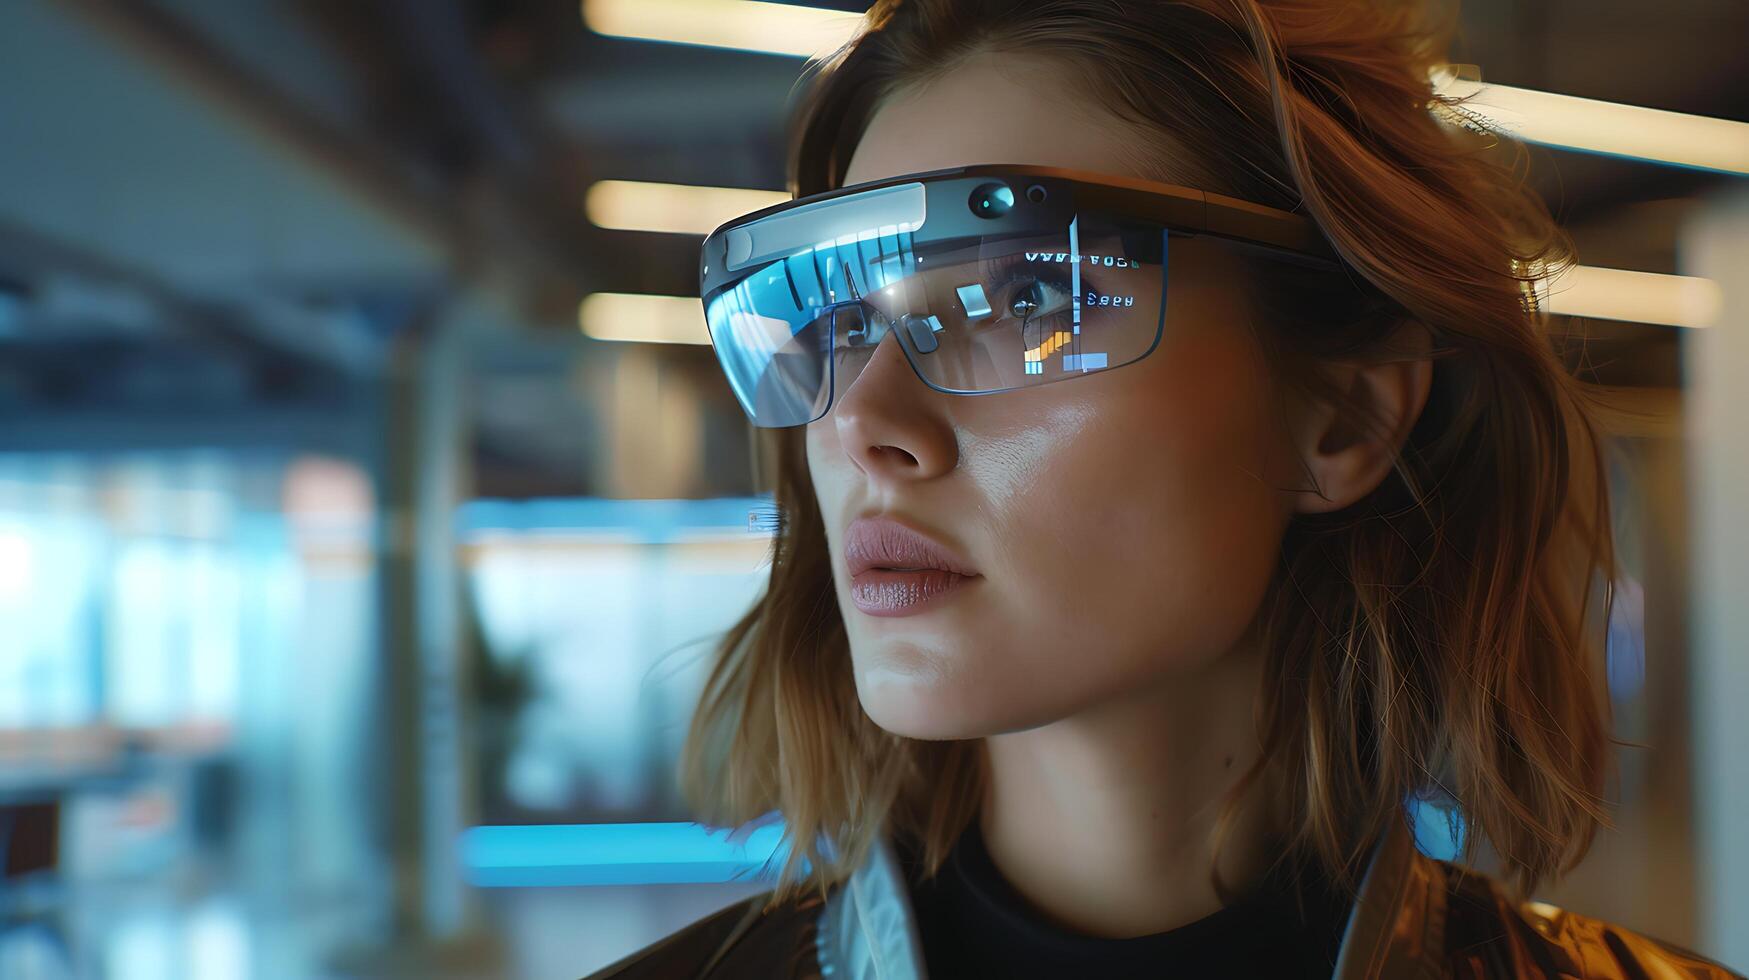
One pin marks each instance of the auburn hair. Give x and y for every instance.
(1430, 639)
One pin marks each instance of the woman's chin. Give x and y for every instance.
(914, 706)
(929, 709)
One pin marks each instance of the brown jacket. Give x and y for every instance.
(1414, 917)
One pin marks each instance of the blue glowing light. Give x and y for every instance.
(1625, 649)
(618, 854)
(1439, 827)
(650, 521)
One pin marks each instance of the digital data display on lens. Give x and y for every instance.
(973, 313)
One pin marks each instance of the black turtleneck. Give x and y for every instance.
(973, 924)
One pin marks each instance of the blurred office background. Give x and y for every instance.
(343, 506)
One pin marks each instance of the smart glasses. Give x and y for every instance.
(990, 277)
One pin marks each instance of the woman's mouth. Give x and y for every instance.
(896, 570)
(901, 592)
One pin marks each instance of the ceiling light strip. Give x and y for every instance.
(643, 318)
(1581, 291)
(1610, 128)
(633, 205)
(1636, 297)
(747, 25)
(1565, 121)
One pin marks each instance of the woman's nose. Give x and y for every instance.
(891, 424)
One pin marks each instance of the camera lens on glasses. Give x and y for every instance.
(992, 200)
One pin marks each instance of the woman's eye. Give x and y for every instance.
(1034, 298)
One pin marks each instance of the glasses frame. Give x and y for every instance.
(1184, 211)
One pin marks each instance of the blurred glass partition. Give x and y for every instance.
(185, 667)
(597, 623)
(610, 609)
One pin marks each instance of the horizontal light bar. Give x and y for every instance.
(748, 25)
(617, 854)
(650, 520)
(1638, 297)
(645, 318)
(1585, 291)
(1601, 127)
(634, 205)
(1563, 121)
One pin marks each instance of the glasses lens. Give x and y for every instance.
(994, 314)
(974, 313)
(775, 347)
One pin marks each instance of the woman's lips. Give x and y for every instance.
(896, 570)
(886, 592)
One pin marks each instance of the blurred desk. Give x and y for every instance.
(45, 763)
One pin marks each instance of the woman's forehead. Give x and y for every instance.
(1000, 107)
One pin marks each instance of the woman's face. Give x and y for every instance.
(1122, 524)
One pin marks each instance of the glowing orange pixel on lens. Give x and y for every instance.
(1058, 340)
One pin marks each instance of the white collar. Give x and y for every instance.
(867, 930)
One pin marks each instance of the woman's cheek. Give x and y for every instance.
(1147, 522)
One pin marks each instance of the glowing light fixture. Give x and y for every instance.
(617, 854)
(1587, 291)
(634, 205)
(1638, 297)
(643, 317)
(1547, 118)
(749, 25)
(1599, 127)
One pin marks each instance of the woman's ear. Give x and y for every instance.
(1346, 456)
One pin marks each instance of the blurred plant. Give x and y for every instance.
(501, 685)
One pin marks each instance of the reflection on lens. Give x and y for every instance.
(973, 313)
(922, 331)
(973, 300)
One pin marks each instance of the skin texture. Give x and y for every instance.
(1125, 525)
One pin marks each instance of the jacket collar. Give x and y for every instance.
(1397, 925)
(867, 929)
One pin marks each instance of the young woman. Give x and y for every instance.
(1177, 483)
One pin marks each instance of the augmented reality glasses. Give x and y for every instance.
(991, 278)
